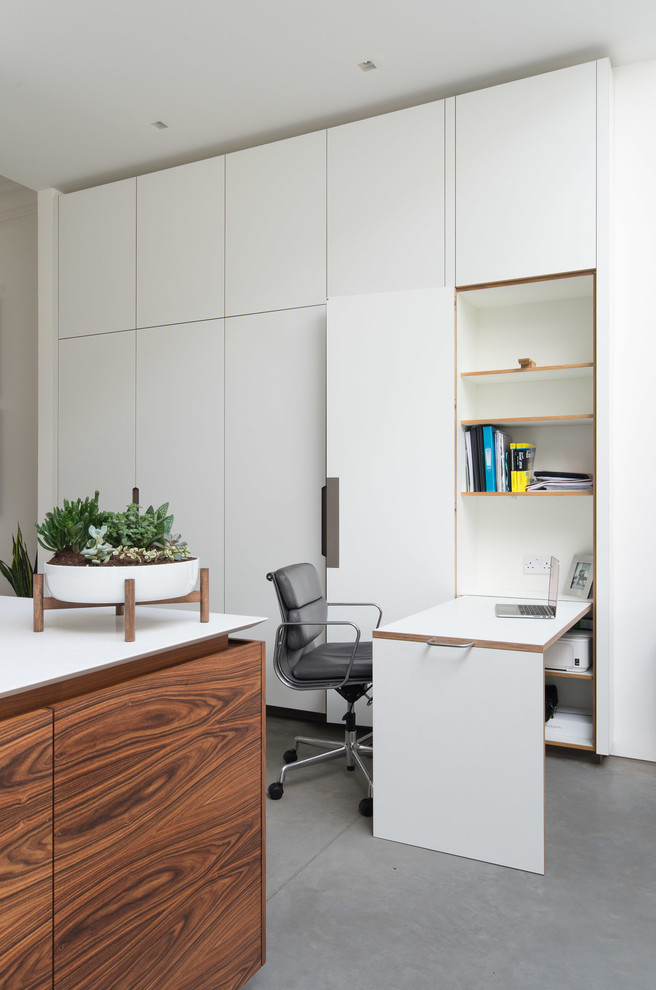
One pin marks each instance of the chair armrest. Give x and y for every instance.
(329, 622)
(360, 605)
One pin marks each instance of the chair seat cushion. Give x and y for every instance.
(330, 661)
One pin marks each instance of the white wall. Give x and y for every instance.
(634, 265)
(18, 369)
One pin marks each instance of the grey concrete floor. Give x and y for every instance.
(347, 910)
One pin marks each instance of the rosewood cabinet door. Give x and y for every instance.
(26, 852)
(158, 829)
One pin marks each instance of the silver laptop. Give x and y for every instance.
(547, 611)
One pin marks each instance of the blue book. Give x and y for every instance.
(489, 459)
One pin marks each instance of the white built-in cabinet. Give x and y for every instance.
(133, 434)
(551, 321)
(505, 184)
(276, 225)
(97, 249)
(96, 417)
(526, 175)
(386, 202)
(180, 442)
(180, 243)
(275, 464)
(390, 444)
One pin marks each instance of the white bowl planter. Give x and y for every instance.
(97, 585)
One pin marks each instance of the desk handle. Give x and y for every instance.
(454, 646)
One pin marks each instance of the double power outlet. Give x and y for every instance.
(537, 565)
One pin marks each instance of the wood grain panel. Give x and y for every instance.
(158, 841)
(26, 852)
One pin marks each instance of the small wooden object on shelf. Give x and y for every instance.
(526, 363)
(43, 602)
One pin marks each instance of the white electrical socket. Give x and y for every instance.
(537, 565)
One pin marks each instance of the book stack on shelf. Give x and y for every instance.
(560, 481)
(494, 463)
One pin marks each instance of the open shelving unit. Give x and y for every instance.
(550, 404)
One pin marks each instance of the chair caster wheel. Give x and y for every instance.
(352, 769)
(366, 807)
(276, 791)
(290, 756)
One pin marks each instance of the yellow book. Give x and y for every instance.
(522, 456)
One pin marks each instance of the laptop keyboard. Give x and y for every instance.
(535, 610)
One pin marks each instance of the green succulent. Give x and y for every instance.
(20, 572)
(135, 529)
(68, 525)
(97, 550)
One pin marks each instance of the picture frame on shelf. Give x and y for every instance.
(581, 573)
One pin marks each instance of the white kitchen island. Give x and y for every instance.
(459, 730)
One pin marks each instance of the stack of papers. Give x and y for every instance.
(554, 481)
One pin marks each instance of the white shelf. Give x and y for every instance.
(578, 419)
(570, 726)
(512, 376)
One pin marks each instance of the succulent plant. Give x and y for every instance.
(134, 529)
(97, 550)
(68, 525)
(174, 548)
(112, 537)
(21, 571)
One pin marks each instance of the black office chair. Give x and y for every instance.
(303, 665)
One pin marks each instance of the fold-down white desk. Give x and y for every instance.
(459, 730)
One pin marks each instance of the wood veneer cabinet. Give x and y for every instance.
(26, 852)
(153, 799)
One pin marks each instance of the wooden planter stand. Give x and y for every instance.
(43, 602)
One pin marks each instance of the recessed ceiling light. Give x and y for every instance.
(159, 125)
(367, 66)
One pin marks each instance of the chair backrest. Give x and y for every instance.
(301, 599)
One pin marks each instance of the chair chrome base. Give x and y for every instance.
(352, 750)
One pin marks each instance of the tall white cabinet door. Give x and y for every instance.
(275, 465)
(390, 432)
(180, 435)
(97, 259)
(180, 215)
(386, 202)
(526, 177)
(96, 418)
(276, 225)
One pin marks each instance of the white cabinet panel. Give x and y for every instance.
(526, 177)
(180, 435)
(276, 225)
(97, 259)
(275, 464)
(180, 215)
(462, 775)
(96, 418)
(386, 202)
(391, 443)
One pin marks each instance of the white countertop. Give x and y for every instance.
(77, 641)
(472, 618)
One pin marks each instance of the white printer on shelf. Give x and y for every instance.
(572, 652)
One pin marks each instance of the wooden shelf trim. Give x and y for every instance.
(540, 373)
(583, 419)
(583, 675)
(569, 492)
(588, 747)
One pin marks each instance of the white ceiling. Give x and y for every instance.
(82, 81)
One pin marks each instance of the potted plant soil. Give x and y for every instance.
(95, 550)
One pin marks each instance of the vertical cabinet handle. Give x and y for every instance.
(330, 522)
